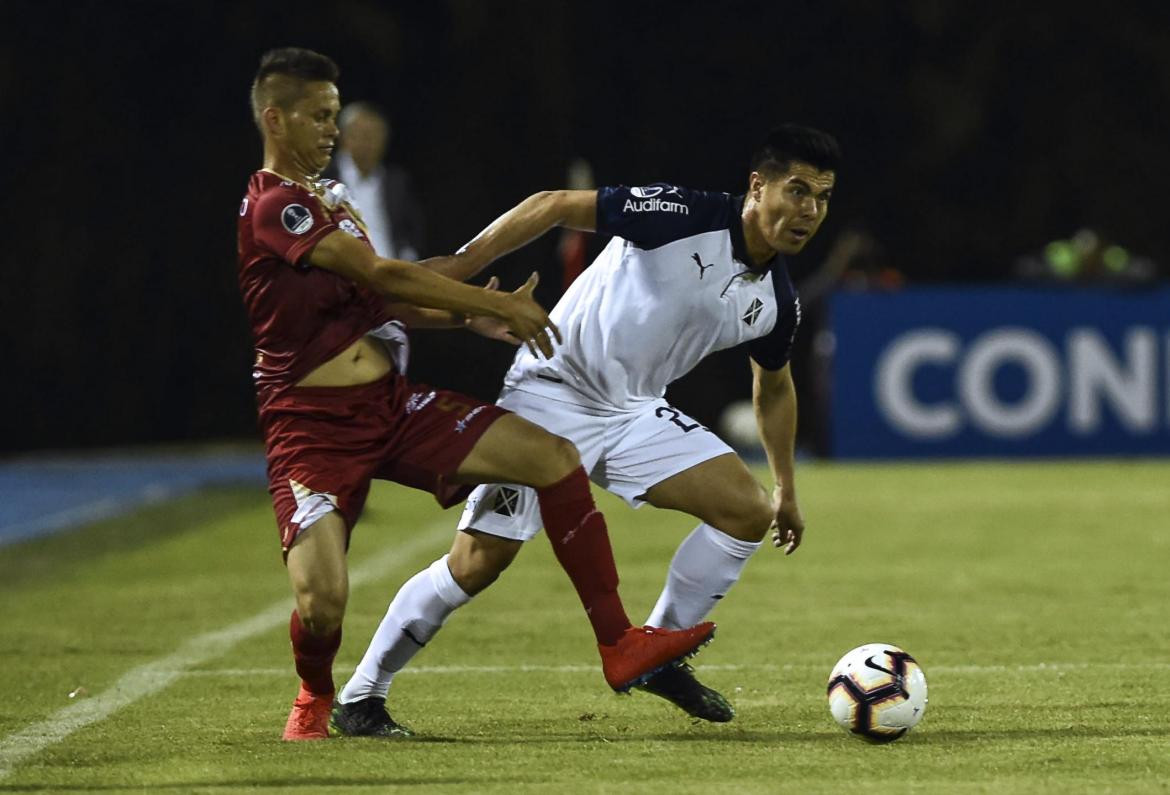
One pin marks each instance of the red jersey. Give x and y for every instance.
(301, 315)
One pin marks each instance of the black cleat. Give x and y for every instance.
(678, 685)
(365, 718)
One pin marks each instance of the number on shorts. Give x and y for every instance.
(674, 413)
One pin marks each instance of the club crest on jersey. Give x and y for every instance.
(296, 219)
(753, 312)
(349, 226)
(507, 501)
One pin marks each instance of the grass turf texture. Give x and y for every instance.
(1035, 596)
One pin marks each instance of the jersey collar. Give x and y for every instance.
(739, 244)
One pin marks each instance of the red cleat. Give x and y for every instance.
(309, 719)
(642, 651)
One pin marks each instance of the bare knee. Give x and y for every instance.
(477, 559)
(316, 568)
(321, 609)
(544, 459)
(558, 457)
(747, 520)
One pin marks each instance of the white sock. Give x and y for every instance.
(708, 562)
(419, 608)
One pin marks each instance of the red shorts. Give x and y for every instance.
(325, 444)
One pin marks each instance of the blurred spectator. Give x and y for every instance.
(856, 261)
(1087, 258)
(574, 243)
(382, 190)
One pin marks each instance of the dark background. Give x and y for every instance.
(974, 132)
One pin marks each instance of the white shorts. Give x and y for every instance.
(626, 453)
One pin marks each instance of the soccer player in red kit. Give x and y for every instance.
(336, 410)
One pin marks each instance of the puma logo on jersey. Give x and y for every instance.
(702, 267)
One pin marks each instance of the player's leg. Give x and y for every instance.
(508, 515)
(663, 457)
(417, 612)
(514, 450)
(735, 512)
(319, 473)
(496, 520)
(444, 439)
(423, 604)
(317, 571)
(478, 559)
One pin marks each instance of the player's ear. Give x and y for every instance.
(756, 185)
(273, 120)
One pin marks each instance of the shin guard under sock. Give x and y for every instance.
(580, 542)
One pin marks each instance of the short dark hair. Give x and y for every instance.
(791, 143)
(283, 73)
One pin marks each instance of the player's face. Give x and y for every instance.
(791, 207)
(310, 127)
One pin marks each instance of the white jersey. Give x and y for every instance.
(672, 286)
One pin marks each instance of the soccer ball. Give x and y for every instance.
(878, 692)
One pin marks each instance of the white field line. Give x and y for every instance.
(1048, 667)
(151, 677)
(80, 514)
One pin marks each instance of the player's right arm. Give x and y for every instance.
(343, 254)
(774, 400)
(528, 220)
(674, 213)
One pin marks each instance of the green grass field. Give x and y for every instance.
(1036, 596)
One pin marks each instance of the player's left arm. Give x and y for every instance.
(420, 317)
(528, 220)
(774, 399)
(417, 317)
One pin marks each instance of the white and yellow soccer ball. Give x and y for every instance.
(877, 692)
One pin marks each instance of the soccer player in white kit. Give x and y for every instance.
(686, 273)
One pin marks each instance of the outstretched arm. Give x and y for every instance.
(417, 317)
(774, 398)
(407, 282)
(528, 220)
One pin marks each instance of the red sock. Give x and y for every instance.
(314, 656)
(581, 543)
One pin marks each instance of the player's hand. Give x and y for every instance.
(787, 524)
(490, 327)
(529, 322)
